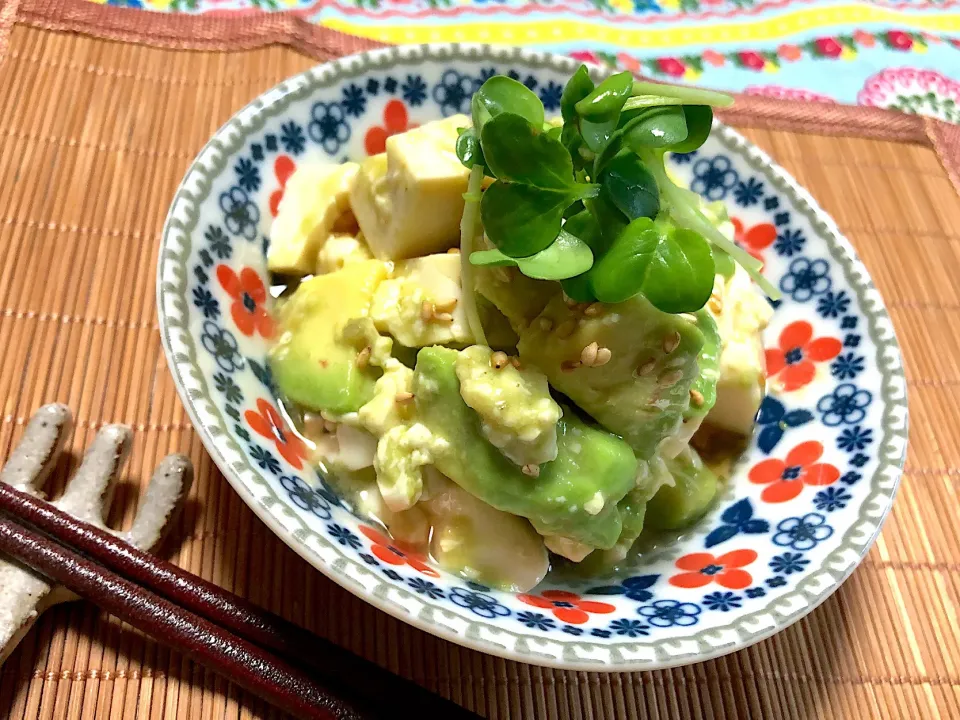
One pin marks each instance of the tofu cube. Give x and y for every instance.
(314, 198)
(409, 200)
(420, 305)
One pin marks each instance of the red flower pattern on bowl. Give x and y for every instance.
(283, 168)
(566, 606)
(395, 121)
(266, 422)
(703, 568)
(756, 238)
(793, 362)
(785, 478)
(249, 298)
(394, 552)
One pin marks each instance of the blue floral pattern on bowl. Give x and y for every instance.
(806, 500)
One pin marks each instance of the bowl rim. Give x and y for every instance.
(894, 421)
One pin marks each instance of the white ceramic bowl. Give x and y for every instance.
(805, 503)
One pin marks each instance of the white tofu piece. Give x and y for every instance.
(341, 249)
(314, 197)
(398, 304)
(744, 314)
(409, 200)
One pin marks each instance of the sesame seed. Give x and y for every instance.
(545, 324)
(646, 368)
(588, 356)
(443, 318)
(570, 302)
(499, 360)
(531, 470)
(671, 342)
(515, 361)
(715, 304)
(363, 357)
(426, 311)
(403, 397)
(696, 397)
(593, 309)
(329, 426)
(569, 365)
(453, 251)
(670, 378)
(446, 306)
(603, 357)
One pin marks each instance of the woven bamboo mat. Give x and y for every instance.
(94, 138)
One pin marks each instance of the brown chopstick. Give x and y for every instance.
(242, 662)
(221, 624)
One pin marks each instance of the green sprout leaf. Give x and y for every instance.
(523, 210)
(568, 257)
(577, 88)
(724, 264)
(656, 128)
(672, 267)
(578, 288)
(491, 258)
(585, 226)
(589, 203)
(499, 95)
(469, 150)
(518, 151)
(607, 99)
(699, 122)
(522, 220)
(597, 135)
(630, 186)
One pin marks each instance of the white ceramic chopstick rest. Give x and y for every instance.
(25, 595)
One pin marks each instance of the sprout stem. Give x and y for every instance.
(642, 101)
(468, 232)
(688, 95)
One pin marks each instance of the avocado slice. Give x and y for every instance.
(575, 495)
(633, 511)
(312, 363)
(519, 298)
(642, 392)
(703, 391)
(677, 506)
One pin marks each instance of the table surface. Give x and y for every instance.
(95, 136)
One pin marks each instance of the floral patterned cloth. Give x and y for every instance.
(903, 55)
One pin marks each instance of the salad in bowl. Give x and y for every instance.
(484, 338)
(511, 337)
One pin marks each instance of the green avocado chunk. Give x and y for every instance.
(643, 390)
(704, 387)
(312, 363)
(575, 495)
(516, 296)
(678, 506)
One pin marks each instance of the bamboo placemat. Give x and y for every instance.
(94, 138)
